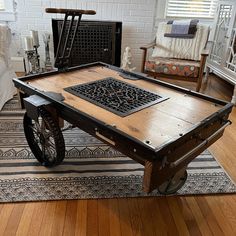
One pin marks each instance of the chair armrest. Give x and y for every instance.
(205, 52)
(147, 46)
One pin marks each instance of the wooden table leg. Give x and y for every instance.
(166, 180)
(151, 180)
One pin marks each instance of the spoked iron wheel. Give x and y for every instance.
(173, 184)
(45, 138)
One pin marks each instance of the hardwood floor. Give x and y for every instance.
(193, 215)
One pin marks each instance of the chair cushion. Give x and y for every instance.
(169, 66)
(181, 48)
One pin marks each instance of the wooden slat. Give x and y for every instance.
(188, 217)
(103, 219)
(81, 218)
(92, 218)
(14, 219)
(219, 215)
(25, 220)
(228, 207)
(198, 215)
(150, 221)
(166, 215)
(229, 201)
(209, 216)
(4, 216)
(47, 221)
(178, 216)
(125, 218)
(135, 217)
(161, 226)
(114, 217)
(70, 218)
(37, 218)
(58, 220)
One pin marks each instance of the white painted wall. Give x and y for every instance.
(137, 16)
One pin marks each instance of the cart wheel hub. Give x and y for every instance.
(42, 139)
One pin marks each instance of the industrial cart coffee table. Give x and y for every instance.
(167, 134)
(162, 126)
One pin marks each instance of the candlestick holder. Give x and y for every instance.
(33, 61)
(31, 51)
(37, 63)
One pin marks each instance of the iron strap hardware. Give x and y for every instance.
(186, 156)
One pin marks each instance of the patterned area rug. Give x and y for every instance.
(91, 169)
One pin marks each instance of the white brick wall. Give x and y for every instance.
(137, 17)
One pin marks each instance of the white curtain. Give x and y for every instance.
(1, 4)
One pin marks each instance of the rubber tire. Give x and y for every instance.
(56, 134)
(170, 190)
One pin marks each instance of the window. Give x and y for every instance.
(7, 10)
(191, 8)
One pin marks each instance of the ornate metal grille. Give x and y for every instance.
(116, 96)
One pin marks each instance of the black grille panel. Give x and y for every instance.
(118, 97)
(94, 41)
(100, 50)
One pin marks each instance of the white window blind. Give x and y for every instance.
(2, 5)
(191, 8)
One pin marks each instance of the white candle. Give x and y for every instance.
(28, 41)
(35, 37)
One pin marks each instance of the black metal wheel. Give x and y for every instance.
(173, 184)
(45, 138)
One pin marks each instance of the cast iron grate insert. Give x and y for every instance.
(116, 96)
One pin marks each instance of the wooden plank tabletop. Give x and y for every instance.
(157, 123)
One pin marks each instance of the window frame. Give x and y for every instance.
(9, 13)
(188, 17)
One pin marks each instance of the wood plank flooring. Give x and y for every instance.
(193, 215)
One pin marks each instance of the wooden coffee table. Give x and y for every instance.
(164, 136)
